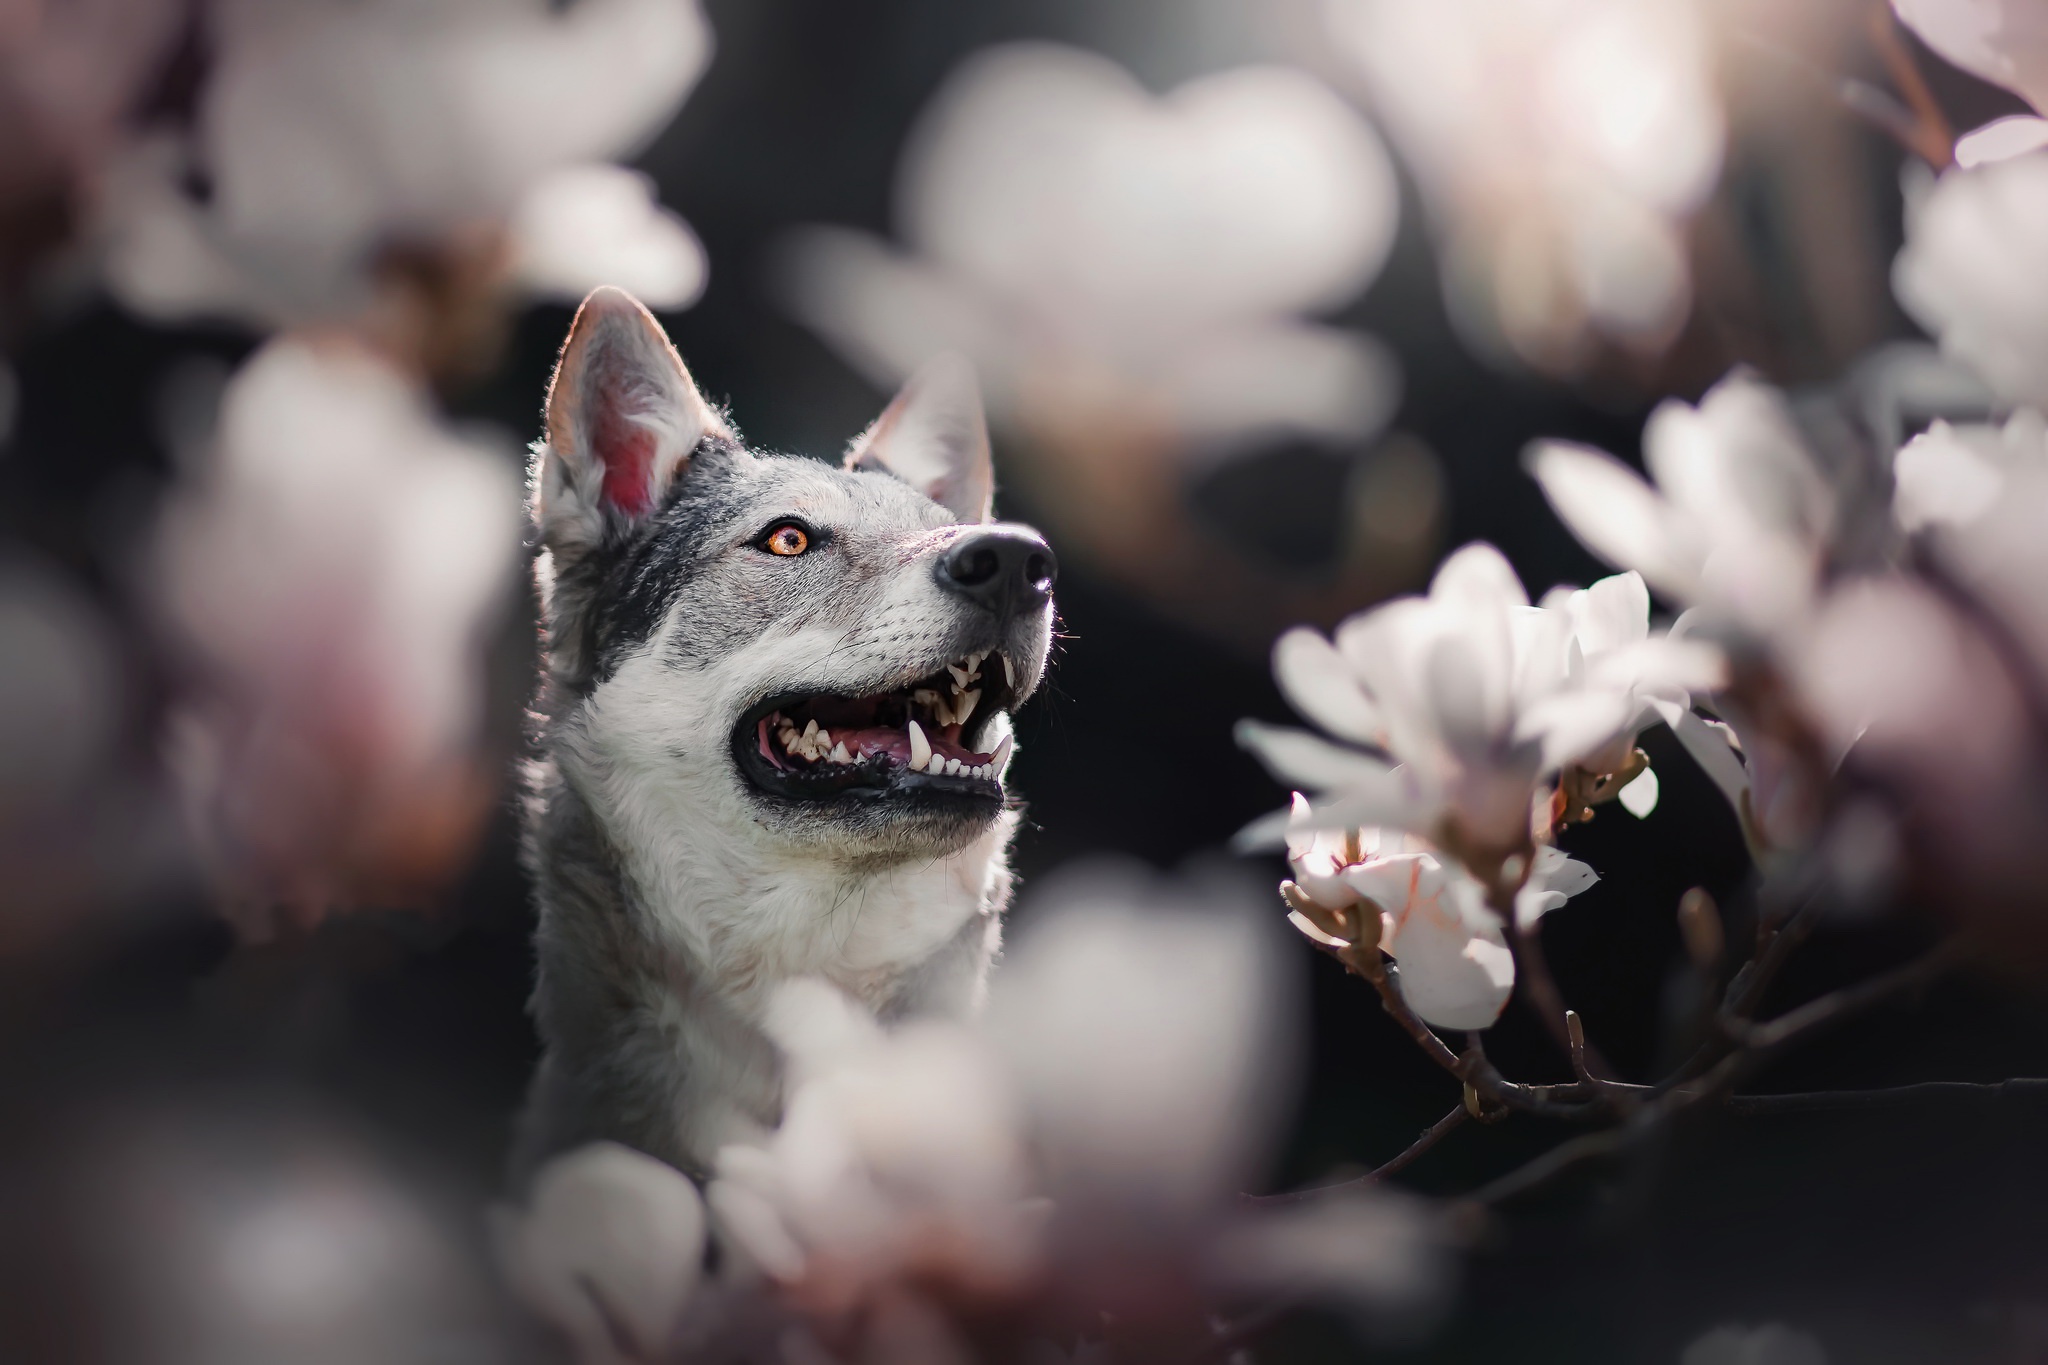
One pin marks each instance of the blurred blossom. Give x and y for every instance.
(1740, 517)
(585, 226)
(1953, 475)
(1561, 145)
(1463, 701)
(1974, 270)
(2001, 41)
(330, 133)
(330, 579)
(60, 690)
(1456, 970)
(1074, 1160)
(1105, 255)
(609, 1251)
(1771, 1344)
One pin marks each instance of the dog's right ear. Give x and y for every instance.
(623, 416)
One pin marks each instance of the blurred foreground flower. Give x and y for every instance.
(329, 580)
(378, 160)
(1561, 147)
(948, 1193)
(1107, 256)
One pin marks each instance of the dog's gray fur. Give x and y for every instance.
(673, 894)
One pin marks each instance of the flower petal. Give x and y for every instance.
(1300, 759)
(1571, 725)
(1612, 510)
(1455, 980)
(1317, 682)
(1639, 797)
(1711, 747)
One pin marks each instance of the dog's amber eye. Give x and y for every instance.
(787, 539)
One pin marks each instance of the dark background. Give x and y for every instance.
(1895, 1235)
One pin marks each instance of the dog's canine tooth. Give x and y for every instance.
(920, 748)
(1001, 756)
(839, 754)
(1009, 671)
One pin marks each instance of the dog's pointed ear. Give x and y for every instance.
(623, 416)
(934, 437)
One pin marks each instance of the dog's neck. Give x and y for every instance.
(747, 912)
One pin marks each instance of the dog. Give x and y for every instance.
(771, 734)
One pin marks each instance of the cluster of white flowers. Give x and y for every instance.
(1076, 1154)
(1561, 147)
(1108, 256)
(1457, 710)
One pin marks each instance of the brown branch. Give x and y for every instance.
(1431, 1136)
(1931, 137)
(1893, 1097)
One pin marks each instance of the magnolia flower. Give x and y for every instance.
(1106, 255)
(330, 132)
(1953, 475)
(1464, 701)
(1560, 147)
(1456, 969)
(1738, 522)
(330, 578)
(1974, 270)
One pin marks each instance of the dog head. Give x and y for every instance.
(770, 645)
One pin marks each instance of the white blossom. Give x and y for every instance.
(1954, 475)
(1560, 147)
(1974, 270)
(329, 131)
(1456, 970)
(328, 579)
(1107, 255)
(1738, 522)
(1465, 699)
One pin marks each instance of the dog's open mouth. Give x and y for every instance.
(935, 734)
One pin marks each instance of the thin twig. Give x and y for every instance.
(1554, 1162)
(1932, 136)
(1894, 1097)
(1431, 1136)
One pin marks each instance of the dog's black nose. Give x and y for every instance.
(1007, 569)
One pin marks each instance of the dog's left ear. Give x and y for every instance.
(623, 417)
(934, 437)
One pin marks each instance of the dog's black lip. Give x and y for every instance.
(872, 778)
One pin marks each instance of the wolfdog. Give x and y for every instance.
(773, 723)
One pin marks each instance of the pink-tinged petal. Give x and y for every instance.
(1394, 804)
(1317, 682)
(1639, 797)
(1613, 511)
(1398, 883)
(1553, 879)
(2001, 41)
(1300, 759)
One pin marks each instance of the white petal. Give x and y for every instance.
(1317, 682)
(1571, 725)
(584, 226)
(1300, 759)
(1711, 747)
(1307, 926)
(2013, 135)
(1478, 575)
(1452, 977)
(1613, 511)
(1639, 797)
(1613, 612)
(1553, 879)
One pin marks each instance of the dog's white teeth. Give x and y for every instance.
(920, 748)
(960, 675)
(954, 767)
(1001, 756)
(839, 754)
(1009, 671)
(963, 705)
(810, 727)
